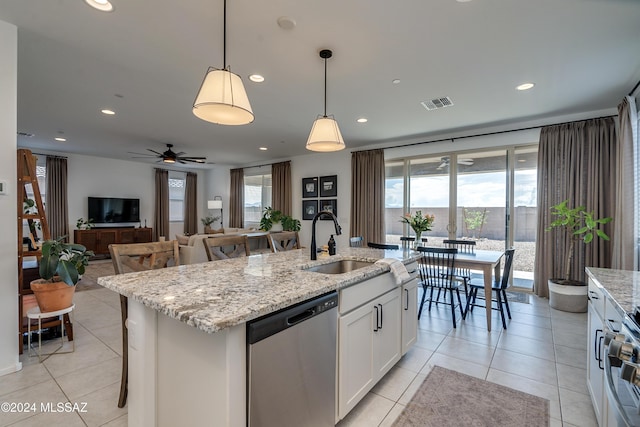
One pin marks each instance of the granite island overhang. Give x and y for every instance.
(197, 366)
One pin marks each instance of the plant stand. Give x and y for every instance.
(35, 313)
(568, 298)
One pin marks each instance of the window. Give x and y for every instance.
(177, 181)
(257, 196)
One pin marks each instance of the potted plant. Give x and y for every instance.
(207, 221)
(578, 225)
(419, 224)
(61, 266)
(82, 224)
(275, 220)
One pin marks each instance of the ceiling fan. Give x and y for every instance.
(461, 161)
(169, 156)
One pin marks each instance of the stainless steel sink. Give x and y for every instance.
(339, 267)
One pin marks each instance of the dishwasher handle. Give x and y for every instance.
(301, 317)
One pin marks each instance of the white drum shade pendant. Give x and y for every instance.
(325, 134)
(222, 98)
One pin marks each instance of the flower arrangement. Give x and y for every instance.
(418, 222)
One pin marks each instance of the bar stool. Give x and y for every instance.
(35, 313)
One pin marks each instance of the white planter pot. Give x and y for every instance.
(276, 227)
(568, 298)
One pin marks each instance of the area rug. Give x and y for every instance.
(449, 398)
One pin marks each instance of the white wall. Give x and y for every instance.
(9, 361)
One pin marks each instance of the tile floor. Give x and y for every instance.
(543, 353)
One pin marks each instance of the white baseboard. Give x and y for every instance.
(11, 369)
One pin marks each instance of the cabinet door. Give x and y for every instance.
(87, 238)
(105, 238)
(409, 315)
(355, 367)
(386, 343)
(595, 362)
(143, 235)
(127, 235)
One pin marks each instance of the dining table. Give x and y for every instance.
(487, 262)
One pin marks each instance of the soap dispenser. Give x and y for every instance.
(332, 246)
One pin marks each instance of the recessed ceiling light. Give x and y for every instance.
(463, 1)
(263, 148)
(108, 112)
(395, 81)
(101, 5)
(286, 23)
(525, 86)
(257, 78)
(362, 120)
(60, 139)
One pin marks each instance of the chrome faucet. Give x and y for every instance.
(314, 254)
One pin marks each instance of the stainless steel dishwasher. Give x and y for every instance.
(292, 365)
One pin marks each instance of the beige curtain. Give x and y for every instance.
(161, 218)
(191, 204)
(367, 195)
(576, 161)
(57, 205)
(623, 239)
(281, 187)
(236, 199)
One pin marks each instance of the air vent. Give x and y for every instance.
(28, 135)
(436, 103)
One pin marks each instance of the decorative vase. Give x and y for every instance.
(418, 241)
(52, 296)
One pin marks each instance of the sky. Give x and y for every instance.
(477, 190)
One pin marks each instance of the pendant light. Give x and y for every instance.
(222, 98)
(325, 135)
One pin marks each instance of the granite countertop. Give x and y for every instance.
(217, 295)
(622, 286)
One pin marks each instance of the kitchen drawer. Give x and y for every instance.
(360, 293)
(596, 298)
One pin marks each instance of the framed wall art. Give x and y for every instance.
(309, 187)
(329, 186)
(330, 205)
(309, 209)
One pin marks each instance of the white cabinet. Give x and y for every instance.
(369, 345)
(409, 314)
(595, 353)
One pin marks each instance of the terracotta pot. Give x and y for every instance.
(52, 296)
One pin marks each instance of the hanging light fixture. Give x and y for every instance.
(325, 135)
(222, 98)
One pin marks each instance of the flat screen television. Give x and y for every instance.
(105, 210)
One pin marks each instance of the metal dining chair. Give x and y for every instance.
(437, 267)
(138, 257)
(406, 241)
(382, 245)
(500, 289)
(355, 242)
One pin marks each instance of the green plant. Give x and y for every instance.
(474, 220)
(66, 260)
(208, 220)
(29, 206)
(82, 224)
(271, 216)
(578, 224)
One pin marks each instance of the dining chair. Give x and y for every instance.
(382, 246)
(284, 241)
(462, 274)
(437, 268)
(130, 257)
(355, 242)
(500, 289)
(406, 241)
(225, 247)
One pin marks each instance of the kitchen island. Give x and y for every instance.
(187, 328)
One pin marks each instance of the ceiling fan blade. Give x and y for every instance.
(192, 158)
(140, 154)
(180, 153)
(154, 151)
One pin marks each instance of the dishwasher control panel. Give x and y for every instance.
(327, 305)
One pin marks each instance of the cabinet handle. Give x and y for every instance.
(600, 364)
(380, 327)
(593, 295)
(596, 353)
(406, 306)
(377, 316)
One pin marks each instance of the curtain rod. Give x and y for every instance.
(174, 170)
(634, 88)
(266, 164)
(49, 155)
(488, 133)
